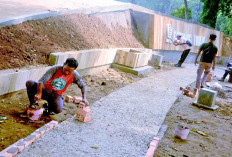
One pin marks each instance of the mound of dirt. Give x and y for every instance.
(31, 42)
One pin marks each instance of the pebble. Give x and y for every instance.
(103, 83)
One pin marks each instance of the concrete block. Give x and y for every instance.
(132, 58)
(156, 60)
(156, 139)
(36, 74)
(111, 55)
(55, 123)
(37, 134)
(53, 58)
(83, 113)
(41, 131)
(68, 98)
(85, 58)
(20, 145)
(135, 71)
(207, 97)
(13, 151)
(77, 99)
(9, 151)
(153, 143)
(150, 152)
(5, 80)
(61, 58)
(29, 140)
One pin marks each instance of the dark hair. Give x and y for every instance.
(72, 62)
(212, 36)
(179, 35)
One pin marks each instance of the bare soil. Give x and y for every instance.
(216, 125)
(30, 43)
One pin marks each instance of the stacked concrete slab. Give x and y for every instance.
(133, 58)
(14, 80)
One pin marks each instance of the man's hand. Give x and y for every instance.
(213, 67)
(195, 63)
(37, 97)
(85, 101)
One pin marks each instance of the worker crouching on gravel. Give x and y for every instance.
(53, 84)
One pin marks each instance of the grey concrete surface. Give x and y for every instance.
(141, 22)
(136, 71)
(123, 123)
(17, 11)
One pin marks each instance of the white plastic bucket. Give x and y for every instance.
(181, 132)
(34, 114)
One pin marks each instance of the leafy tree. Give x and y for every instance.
(209, 12)
(225, 7)
(224, 23)
(180, 12)
(212, 8)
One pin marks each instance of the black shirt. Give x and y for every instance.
(208, 52)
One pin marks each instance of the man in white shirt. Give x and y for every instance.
(182, 41)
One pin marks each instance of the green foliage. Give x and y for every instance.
(224, 23)
(225, 7)
(209, 12)
(180, 12)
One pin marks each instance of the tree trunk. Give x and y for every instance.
(186, 10)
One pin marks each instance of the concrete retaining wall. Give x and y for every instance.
(141, 22)
(85, 58)
(14, 80)
(90, 62)
(174, 56)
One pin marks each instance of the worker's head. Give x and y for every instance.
(69, 66)
(178, 36)
(212, 37)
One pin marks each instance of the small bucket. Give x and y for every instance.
(181, 132)
(34, 114)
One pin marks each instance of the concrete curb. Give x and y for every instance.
(153, 146)
(21, 144)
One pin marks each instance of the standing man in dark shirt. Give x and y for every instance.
(209, 52)
(53, 84)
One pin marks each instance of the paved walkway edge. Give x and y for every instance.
(21, 144)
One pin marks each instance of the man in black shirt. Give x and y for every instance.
(209, 52)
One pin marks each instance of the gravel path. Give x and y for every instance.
(123, 123)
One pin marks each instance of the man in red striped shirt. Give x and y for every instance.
(53, 84)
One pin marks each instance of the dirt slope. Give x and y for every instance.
(31, 42)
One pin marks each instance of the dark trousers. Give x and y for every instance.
(226, 73)
(55, 101)
(183, 56)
